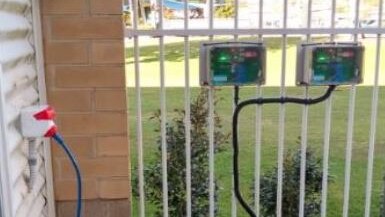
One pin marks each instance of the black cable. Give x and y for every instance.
(236, 95)
(261, 101)
(72, 158)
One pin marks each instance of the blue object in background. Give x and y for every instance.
(175, 5)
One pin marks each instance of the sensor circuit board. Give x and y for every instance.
(329, 64)
(232, 63)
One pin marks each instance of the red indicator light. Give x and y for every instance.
(347, 54)
(249, 54)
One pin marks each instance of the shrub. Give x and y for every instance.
(224, 11)
(290, 188)
(176, 161)
(127, 18)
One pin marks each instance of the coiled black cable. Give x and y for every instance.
(261, 101)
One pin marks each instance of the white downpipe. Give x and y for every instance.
(38, 40)
(5, 191)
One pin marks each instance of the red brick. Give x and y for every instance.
(81, 146)
(97, 167)
(110, 27)
(63, 6)
(46, 28)
(70, 100)
(100, 7)
(107, 52)
(90, 76)
(119, 208)
(112, 146)
(66, 189)
(114, 189)
(96, 123)
(66, 52)
(112, 100)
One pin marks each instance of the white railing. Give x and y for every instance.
(307, 32)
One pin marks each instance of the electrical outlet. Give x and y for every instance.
(37, 121)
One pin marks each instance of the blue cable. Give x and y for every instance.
(75, 164)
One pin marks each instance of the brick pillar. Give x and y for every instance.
(84, 57)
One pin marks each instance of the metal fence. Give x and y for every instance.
(354, 29)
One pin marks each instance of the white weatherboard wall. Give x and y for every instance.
(24, 191)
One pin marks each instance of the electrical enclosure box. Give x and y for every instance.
(329, 63)
(232, 63)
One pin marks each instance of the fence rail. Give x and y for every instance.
(248, 32)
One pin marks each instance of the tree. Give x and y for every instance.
(176, 162)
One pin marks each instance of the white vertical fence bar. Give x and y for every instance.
(302, 186)
(373, 119)
(348, 150)
(258, 132)
(257, 162)
(236, 16)
(211, 16)
(139, 127)
(281, 140)
(260, 21)
(187, 127)
(350, 132)
(327, 129)
(325, 158)
(211, 153)
(282, 115)
(333, 18)
(372, 136)
(211, 128)
(163, 112)
(305, 114)
(233, 199)
(187, 109)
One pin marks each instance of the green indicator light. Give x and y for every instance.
(224, 57)
(322, 58)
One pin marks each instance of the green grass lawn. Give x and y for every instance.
(174, 70)
(150, 99)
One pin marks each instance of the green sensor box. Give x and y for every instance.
(329, 63)
(232, 63)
